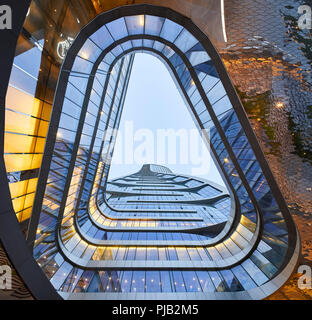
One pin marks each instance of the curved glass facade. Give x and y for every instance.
(90, 240)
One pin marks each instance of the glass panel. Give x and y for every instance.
(185, 41)
(102, 38)
(170, 30)
(135, 24)
(118, 29)
(153, 25)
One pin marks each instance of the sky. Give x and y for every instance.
(152, 106)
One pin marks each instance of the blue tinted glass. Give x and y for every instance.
(81, 65)
(208, 83)
(216, 93)
(126, 45)
(256, 274)
(71, 108)
(68, 122)
(205, 281)
(218, 282)
(179, 284)
(138, 281)
(89, 51)
(66, 135)
(170, 30)
(117, 51)
(243, 278)
(198, 57)
(74, 94)
(21, 80)
(232, 283)
(118, 29)
(135, 24)
(109, 58)
(79, 82)
(185, 41)
(126, 281)
(168, 52)
(165, 281)
(153, 25)
(158, 46)
(222, 105)
(148, 43)
(102, 38)
(103, 67)
(137, 43)
(152, 281)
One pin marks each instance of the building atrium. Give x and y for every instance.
(69, 231)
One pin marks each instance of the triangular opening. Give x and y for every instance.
(154, 110)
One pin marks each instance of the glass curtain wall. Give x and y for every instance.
(48, 31)
(258, 240)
